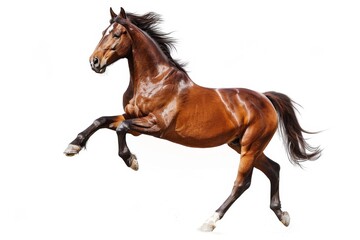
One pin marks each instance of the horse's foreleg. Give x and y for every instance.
(80, 141)
(272, 170)
(145, 125)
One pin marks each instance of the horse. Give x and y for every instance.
(162, 101)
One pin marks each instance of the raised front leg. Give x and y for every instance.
(80, 141)
(145, 125)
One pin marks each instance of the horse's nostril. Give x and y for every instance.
(94, 62)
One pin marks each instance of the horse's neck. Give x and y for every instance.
(147, 62)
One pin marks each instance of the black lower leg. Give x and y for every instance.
(235, 194)
(102, 122)
(274, 176)
(272, 170)
(124, 151)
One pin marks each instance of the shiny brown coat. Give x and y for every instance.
(162, 101)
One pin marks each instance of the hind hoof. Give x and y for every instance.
(210, 223)
(72, 149)
(285, 219)
(207, 227)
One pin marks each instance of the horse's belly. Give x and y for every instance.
(207, 132)
(200, 142)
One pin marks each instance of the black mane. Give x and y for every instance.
(149, 23)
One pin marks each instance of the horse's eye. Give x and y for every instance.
(116, 35)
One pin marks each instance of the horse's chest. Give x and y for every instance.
(141, 106)
(137, 107)
(145, 102)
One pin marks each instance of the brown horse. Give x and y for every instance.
(162, 101)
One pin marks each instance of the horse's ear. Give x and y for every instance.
(121, 18)
(122, 13)
(112, 13)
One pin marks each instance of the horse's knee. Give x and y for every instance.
(123, 127)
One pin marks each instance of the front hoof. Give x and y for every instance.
(285, 218)
(134, 164)
(72, 149)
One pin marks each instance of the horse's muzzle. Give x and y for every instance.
(96, 66)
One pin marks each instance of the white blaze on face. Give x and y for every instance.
(109, 29)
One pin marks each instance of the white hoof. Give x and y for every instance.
(207, 227)
(285, 218)
(210, 224)
(72, 149)
(134, 164)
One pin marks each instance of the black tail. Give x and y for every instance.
(297, 148)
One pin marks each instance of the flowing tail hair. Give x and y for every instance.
(297, 148)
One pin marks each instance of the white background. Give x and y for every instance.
(309, 50)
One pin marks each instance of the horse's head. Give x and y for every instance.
(114, 44)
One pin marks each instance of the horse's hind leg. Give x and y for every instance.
(80, 141)
(272, 170)
(241, 184)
